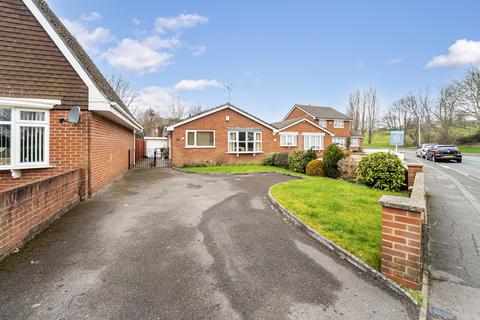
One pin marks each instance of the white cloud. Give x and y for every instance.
(182, 21)
(158, 98)
(155, 42)
(91, 16)
(90, 39)
(137, 56)
(200, 84)
(136, 21)
(198, 50)
(462, 53)
(393, 61)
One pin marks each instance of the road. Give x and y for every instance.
(162, 244)
(453, 191)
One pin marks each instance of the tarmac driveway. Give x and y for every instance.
(161, 244)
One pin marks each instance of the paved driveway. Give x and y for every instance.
(161, 244)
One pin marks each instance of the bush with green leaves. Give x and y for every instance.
(347, 169)
(381, 170)
(315, 168)
(281, 160)
(269, 159)
(331, 156)
(298, 160)
(311, 155)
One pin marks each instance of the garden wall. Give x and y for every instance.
(28, 209)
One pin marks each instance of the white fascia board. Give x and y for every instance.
(311, 122)
(29, 103)
(97, 101)
(171, 128)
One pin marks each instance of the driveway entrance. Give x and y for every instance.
(161, 244)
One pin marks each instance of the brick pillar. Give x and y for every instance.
(413, 169)
(401, 250)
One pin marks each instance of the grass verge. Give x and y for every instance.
(469, 149)
(244, 168)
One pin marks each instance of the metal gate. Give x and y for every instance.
(154, 158)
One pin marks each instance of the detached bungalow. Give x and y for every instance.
(228, 134)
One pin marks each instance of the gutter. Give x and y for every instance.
(126, 114)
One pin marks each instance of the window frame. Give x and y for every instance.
(15, 137)
(237, 141)
(313, 134)
(187, 146)
(286, 135)
(342, 145)
(357, 144)
(323, 121)
(336, 122)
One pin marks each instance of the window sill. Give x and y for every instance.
(200, 147)
(26, 167)
(288, 146)
(248, 152)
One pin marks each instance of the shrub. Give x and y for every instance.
(219, 160)
(331, 156)
(298, 160)
(315, 168)
(269, 159)
(382, 171)
(311, 155)
(281, 160)
(347, 168)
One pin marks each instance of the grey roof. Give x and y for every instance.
(79, 53)
(320, 112)
(355, 134)
(286, 123)
(220, 107)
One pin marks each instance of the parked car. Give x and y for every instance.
(422, 151)
(444, 152)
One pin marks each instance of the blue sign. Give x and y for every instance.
(397, 138)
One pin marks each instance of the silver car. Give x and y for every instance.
(422, 151)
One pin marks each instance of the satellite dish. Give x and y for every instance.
(74, 115)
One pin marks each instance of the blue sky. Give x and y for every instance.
(276, 53)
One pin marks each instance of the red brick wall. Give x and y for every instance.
(109, 146)
(68, 150)
(298, 113)
(217, 121)
(27, 209)
(413, 169)
(300, 128)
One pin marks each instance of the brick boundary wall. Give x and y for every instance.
(28, 209)
(412, 170)
(401, 248)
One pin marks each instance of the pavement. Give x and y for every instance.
(453, 191)
(162, 244)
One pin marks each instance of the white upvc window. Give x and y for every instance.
(24, 138)
(288, 139)
(340, 141)
(200, 139)
(338, 124)
(322, 123)
(313, 141)
(355, 142)
(244, 141)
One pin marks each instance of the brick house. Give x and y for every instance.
(228, 134)
(44, 72)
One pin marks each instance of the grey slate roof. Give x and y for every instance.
(283, 124)
(355, 134)
(79, 53)
(320, 112)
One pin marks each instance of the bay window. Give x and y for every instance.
(200, 139)
(340, 141)
(288, 139)
(24, 138)
(313, 141)
(244, 141)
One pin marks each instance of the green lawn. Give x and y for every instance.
(344, 212)
(245, 168)
(469, 149)
(381, 140)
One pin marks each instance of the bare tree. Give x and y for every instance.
(354, 109)
(195, 109)
(370, 101)
(152, 123)
(177, 109)
(470, 93)
(122, 88)
(446, 110)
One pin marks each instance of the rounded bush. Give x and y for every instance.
(331, 156)
(269, 159)
(281, 160)
(315, 168)
(347, 169)
(381, 170)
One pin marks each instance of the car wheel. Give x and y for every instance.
(434, 159)
(459, 161)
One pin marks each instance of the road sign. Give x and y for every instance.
(397, 138)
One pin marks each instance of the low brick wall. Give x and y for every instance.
(412, 170)
(27, 209)
(402, 220)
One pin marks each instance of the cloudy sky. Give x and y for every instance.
(276, 53)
